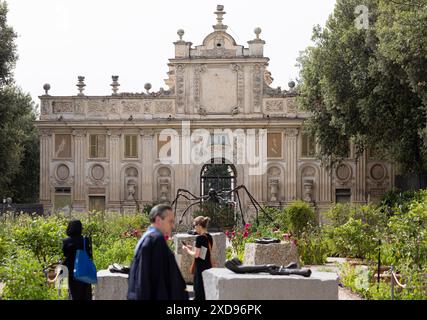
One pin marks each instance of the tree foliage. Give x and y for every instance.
(19, 160)
(369, 85)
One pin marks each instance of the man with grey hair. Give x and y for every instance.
(154, 273)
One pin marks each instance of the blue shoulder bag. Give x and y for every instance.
(84, 268)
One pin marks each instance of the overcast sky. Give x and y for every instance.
(59, 40)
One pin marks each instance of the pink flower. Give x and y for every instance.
(233, 233)
(227, 233)
(294, 241)
(247, 226)
(286, 236)
(246, 234)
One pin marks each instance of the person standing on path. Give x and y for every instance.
(202, 255)
(77, 290)
(154, 273)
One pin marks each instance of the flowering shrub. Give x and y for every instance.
(24, 279)
(30, 244)
(238, 239)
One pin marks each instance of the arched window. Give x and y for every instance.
(219, 176)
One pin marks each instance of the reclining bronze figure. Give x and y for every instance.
(236, 266)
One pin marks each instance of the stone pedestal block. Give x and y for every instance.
(111, 286)
(274, 253)
(184, 260)
(223, 284)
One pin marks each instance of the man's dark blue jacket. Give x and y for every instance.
(154, 273)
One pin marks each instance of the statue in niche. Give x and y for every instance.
(131, 189)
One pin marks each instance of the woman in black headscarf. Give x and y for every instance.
(77, 290)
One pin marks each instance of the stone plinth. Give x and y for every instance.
(184, 260)
(111, 286)
(274, 253)
(223, 284)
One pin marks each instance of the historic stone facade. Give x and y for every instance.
(106, 152)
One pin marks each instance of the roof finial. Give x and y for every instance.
(219, 12)
(180, 33)
(257, 32)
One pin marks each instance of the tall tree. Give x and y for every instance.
(368, 85)
(18, 138)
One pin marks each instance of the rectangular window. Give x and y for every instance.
(62, 199)
(342, 195)
(97, 146)
(274, 145)
(131, 146)
(97, 203)
(308, 148)
(62, 146)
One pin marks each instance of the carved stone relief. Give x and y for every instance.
(129, 106)
(147, 107)
(62, 172)
(180, 93)
(291, 105)
(114, 107)
(96, 175)
(196, 85)
(45, 109)
(163, 107)
(343, 173)
(62, 106)
(61, 175)
(257, 71)
(80, 105)
(272, 106)
(95, 107)
(378, 172)
(240, 87)
(97, 172)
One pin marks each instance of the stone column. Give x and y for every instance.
(291, 135)
(360, 190)
(79, 192)
(325, 191)
(45, 160)
(325, 185)
(148, 155)
(115, 166)
(254, 159)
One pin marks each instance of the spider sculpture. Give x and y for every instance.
(222, 198)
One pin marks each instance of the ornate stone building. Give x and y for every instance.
(107, 152)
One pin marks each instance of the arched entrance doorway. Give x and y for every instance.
(218, 175)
